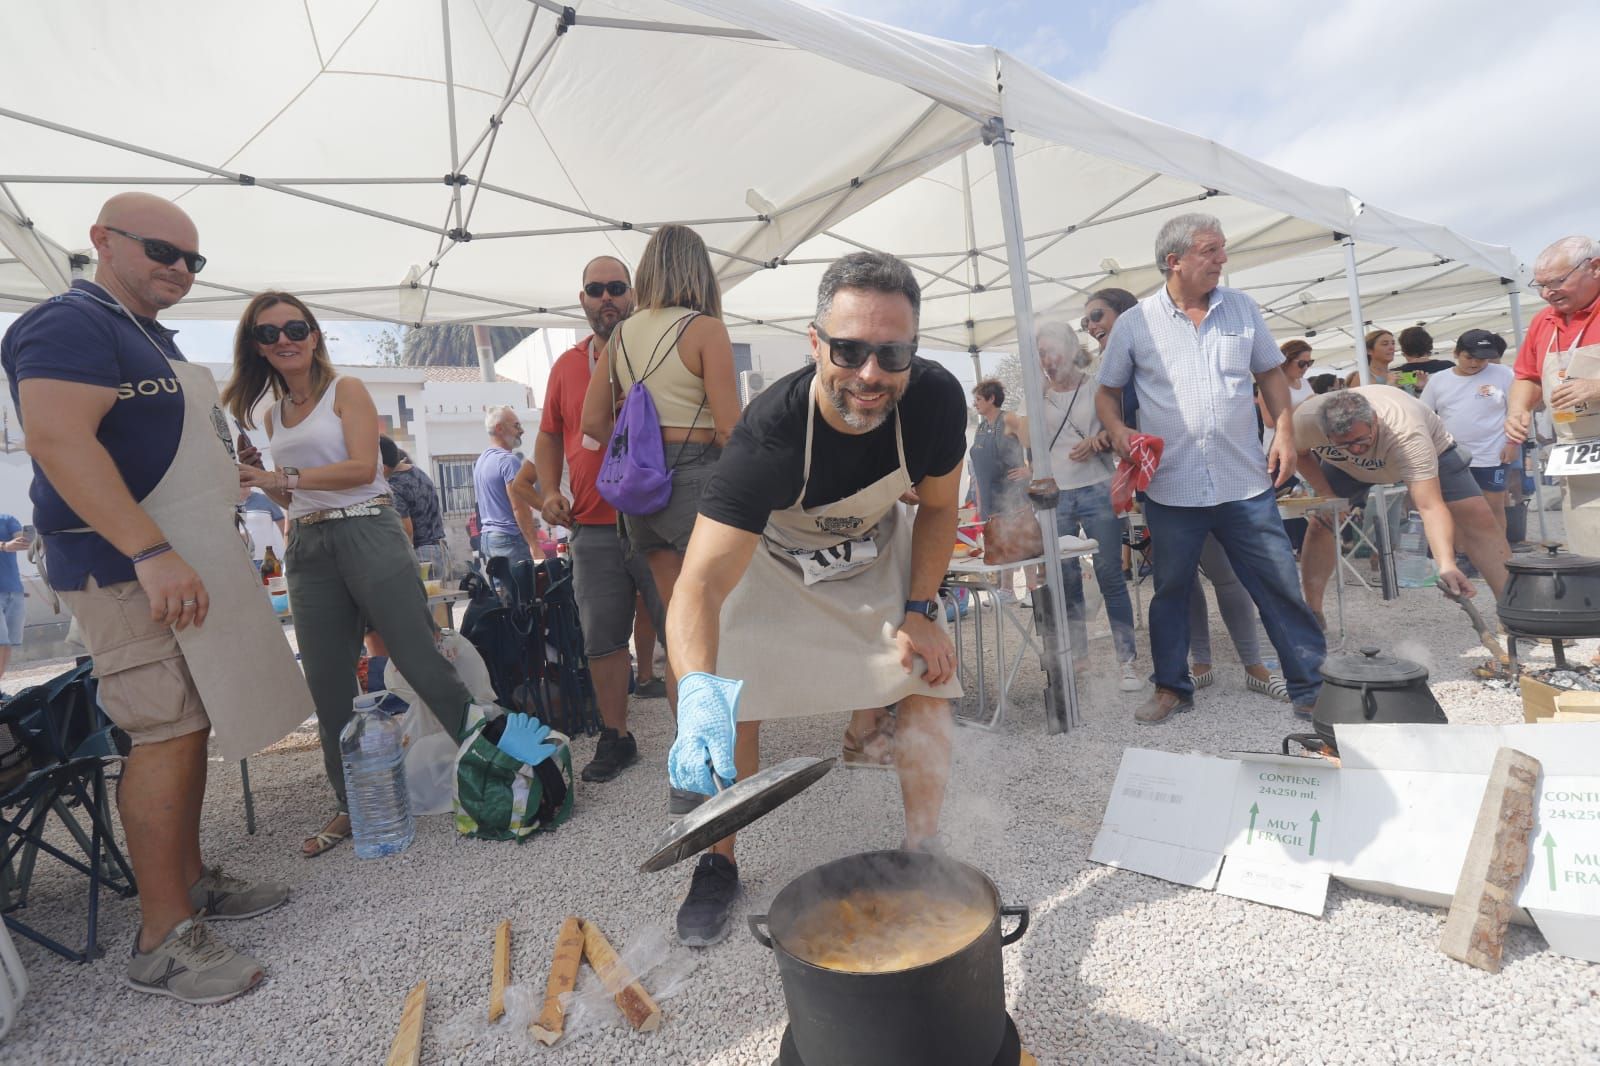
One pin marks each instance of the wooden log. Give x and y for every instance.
(407, 1047)
(1497, 856)
(502, 971)
(630, 996)
(563, 976)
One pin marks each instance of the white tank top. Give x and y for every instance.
(319, 441)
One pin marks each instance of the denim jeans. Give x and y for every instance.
(1251, 533)
(1089, 508)
(511, 545)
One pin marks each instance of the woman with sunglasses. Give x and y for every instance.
(1233, 602)
(1380, 353)
(349, 560)
(1296, 361)
(676, 344)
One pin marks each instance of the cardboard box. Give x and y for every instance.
(1538, 699)
(1395, 818)
(1578, 706)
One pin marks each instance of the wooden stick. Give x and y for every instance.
(631, 998)
(563, 976)
(407, 1047)
(502, 971)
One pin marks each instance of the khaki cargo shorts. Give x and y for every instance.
(145, 686)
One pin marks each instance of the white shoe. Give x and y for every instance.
(1131, 681)
(1004, 595)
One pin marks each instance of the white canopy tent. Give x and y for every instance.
(459, 160)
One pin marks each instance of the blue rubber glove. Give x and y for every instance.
(524, 739)
(707, 709)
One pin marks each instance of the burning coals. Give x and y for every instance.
(1497, 676)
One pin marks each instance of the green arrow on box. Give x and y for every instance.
(1550, 857)
(1251, 835)
(1315, 818)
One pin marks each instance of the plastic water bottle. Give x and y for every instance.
(1412, 565)
(375, 780)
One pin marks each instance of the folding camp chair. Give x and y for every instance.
(68, 740)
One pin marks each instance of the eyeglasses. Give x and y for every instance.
(164, 252)
(1358, 445)
(1546, 286)
(614, 288)
(893, 358)
(1303, 364)
(296, 329)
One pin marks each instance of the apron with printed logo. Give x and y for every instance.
(810, 628)
(1580, 492)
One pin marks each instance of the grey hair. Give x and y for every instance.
(1059, 337)
(877, 271)
(1343, 410)
(1570, 251)
(496, 415)
(1178, 234)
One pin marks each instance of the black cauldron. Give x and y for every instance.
(949, 1011)
(1369, 688)
(1552, 593)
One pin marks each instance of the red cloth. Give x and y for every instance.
(1134, 473)
(1547, 324)
(563, 417)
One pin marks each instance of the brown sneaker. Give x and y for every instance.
(220, 898)
(192, 965)
(1162, 704)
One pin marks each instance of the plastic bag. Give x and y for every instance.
(648, 955)
(430, 751)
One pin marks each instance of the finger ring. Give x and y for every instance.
(189, 603)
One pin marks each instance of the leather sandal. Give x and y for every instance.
(325, 840)
(874, 751)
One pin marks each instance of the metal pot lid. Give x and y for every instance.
(734, 808)
(1372, 667)
(1551, 559)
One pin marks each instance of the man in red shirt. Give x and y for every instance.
(606, 576)
(1567, 275)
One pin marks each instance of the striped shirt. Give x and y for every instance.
(1194, 388)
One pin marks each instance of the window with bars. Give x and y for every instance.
(452, 475)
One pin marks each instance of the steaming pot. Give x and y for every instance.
(951, 1010)
(1372, 688)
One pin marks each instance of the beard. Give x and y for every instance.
(600, 324)
(862, 421)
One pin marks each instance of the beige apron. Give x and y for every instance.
(1580, 493)
(810, 628)
(253, 690)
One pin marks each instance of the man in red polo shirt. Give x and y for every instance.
(1567, 275)
(606, 577)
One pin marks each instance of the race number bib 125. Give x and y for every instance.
(1578, 457)
(831, 563)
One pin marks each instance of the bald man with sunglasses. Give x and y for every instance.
(809, 587)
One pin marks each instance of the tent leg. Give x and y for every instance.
(1389, 581)
(1061, 696)
(1538, 452)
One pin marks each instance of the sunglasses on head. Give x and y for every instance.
(611, 288)
(296, 329)
(853, 354)
(164, 252)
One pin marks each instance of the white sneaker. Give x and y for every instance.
(1131, 681)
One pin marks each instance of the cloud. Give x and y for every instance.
(1425, 108)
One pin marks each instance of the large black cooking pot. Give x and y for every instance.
(951, 1011)
(1370, 688)
(1552, 593)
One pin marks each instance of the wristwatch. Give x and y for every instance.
(291, 477)
(929, 609)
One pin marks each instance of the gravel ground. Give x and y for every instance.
(1117, 967)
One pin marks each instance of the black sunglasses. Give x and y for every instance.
(613, 288)
(296, 329)
(164, 252)
(893, 358)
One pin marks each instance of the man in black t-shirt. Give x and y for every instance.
(808, 586)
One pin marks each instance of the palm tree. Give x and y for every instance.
(452, 344)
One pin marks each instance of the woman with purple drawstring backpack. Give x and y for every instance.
(669, 368)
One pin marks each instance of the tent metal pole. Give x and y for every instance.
(450, 113)
(656, 27)
(1060, 715)
(62, 280)
(493, 125)
(1538, 449)
(1377, 497)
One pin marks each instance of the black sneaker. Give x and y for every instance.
(703, 918)
(611, 756)
(653, 689)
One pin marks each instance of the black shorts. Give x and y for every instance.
(1456, 480)
(1491, 478)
